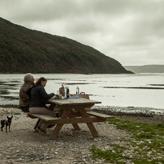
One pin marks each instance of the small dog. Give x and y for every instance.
(6, 123)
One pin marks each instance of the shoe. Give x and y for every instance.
(42, 130)
(50, 126)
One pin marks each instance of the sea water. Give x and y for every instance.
(144, 90)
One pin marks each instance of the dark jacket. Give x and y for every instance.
(39, 97)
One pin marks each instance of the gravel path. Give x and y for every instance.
(22, 145)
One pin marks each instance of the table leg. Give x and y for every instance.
(92, 129)
(58, 127)
(89, 124)
(76, 126)
(57, 130)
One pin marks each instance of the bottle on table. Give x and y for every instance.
(77, 90)
(62, 91)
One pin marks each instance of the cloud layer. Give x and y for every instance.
(130, 31)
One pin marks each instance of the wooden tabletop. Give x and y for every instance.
(73, 101)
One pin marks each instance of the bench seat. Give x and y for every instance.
(46, 118)
(105, 116)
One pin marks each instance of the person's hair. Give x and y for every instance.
(39, 81)
(29, 78)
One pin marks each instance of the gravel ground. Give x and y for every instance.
(22, 145)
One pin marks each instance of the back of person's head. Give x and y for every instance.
(39, 81)
(29, 78)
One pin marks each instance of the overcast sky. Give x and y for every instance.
(130, 31)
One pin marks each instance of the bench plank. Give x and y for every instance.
(67, 120)
(78, 120)
(73, 101)
(45, 117)
(98, 114)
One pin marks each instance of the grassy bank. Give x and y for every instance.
(146, 145)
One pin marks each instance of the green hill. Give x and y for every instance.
(24, 50)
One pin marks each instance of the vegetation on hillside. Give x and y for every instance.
(23, 50)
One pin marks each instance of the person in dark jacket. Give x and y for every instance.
(39, 98)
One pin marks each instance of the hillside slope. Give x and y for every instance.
(146, 68)
(24, 50)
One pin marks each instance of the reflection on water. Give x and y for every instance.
(145, 90)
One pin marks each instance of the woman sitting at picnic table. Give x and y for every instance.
(39, 98)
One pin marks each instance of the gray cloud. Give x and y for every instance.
(130, 31)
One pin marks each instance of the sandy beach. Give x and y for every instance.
(23, 145)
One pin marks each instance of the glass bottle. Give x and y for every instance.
(77, 90)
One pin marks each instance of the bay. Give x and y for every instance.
(138, 90)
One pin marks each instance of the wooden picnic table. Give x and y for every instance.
(74, 111)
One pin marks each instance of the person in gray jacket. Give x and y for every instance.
(39, 98)
(23, 92)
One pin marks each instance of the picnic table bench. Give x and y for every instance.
(73, 111)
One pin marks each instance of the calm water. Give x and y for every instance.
(146, 90)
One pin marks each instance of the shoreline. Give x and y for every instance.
(129, 110)
(141, 114)
(116, 110)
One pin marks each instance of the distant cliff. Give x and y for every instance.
(24, 50)
(146, 68)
